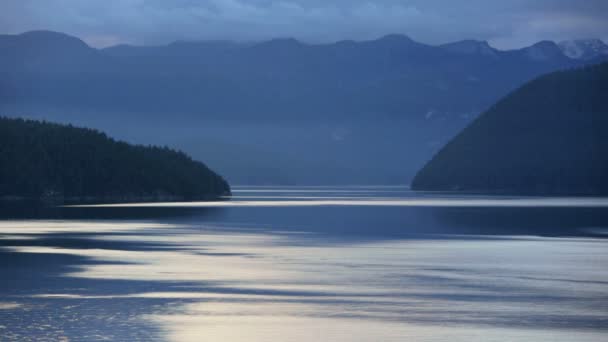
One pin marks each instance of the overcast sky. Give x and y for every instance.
(504, 23)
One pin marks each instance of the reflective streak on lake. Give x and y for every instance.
(308, 264)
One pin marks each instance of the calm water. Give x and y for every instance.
(308, 264)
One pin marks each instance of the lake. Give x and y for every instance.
(308, 264)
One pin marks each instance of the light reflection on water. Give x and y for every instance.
(198, 279)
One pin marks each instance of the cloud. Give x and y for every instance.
(504, 23)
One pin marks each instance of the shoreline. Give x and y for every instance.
(61, 200)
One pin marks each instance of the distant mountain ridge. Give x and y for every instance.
(549, 137)
(471, 47)
(392, 76)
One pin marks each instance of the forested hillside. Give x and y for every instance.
(46, 160)
(548, 137)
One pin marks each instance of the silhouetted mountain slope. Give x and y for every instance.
(39, 159)
(392, 76)
(548, 137)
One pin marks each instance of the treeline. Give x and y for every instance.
(548, 137)
(47, 160)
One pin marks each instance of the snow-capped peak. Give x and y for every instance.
(584, 48)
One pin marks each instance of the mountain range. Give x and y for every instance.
(342, 107)
(393, 76)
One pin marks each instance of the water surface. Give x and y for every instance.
(302, 264)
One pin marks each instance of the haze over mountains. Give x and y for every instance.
(353, 112)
